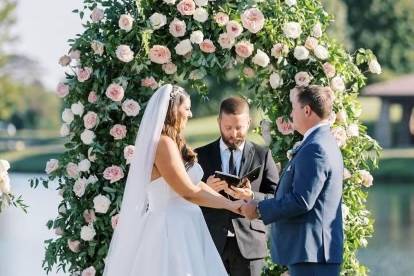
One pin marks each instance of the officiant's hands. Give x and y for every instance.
(244, 193)
(216, 184)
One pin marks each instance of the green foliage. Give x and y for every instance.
(386, 27)
(359, 150)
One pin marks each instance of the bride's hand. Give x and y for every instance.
(235, 206)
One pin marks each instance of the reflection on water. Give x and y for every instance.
(390, 251)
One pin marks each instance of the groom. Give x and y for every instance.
(241, 243)
(306, 216)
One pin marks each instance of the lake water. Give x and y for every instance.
(390, 252)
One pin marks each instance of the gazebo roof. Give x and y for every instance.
(400, 87)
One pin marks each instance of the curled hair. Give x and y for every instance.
(172, 125)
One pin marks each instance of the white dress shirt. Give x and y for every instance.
(312, 129)
(225, 156)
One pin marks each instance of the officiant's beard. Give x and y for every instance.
(232, 142)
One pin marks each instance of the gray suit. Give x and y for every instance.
(306, 216)
(250, 242)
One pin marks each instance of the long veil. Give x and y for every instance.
(128, 233)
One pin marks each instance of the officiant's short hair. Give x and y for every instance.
(234, 106)
(319, 98)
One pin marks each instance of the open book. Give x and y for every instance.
(237, 181)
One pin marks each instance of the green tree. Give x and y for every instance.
(386, 27)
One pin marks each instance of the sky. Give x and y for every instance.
(43, 28)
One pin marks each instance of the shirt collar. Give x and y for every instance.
(312, 129)
(224, 147)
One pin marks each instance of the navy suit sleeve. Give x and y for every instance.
(269, 180)
(310, 174)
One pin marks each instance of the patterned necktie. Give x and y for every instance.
(232, 166)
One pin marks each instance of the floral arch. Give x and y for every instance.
(129, 48)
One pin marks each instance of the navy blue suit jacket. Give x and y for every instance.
(306, 213)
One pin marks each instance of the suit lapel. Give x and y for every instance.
(247, 158)
(216, 156)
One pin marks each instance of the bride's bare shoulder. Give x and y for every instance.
(166, 145)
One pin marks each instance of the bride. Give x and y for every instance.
(161, 230)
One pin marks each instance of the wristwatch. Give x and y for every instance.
(258, 212)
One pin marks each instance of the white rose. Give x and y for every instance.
(92, 179)
(352, 130)
(321, 52)
(124, 53)
(364, 242)
(67, 116)
(301, 53)
(87, 233)
(4, 166)
(201, 3)
(290, 3)
(292, 30)
(87, 136)
(340, 135)
(275, 80)
(197, 37)
(79, 187)
(77, 108)
(129, 153)
(317, 30)
(51, 166)
(347, 174)
(345, 211)
(184, 47)
(62, 209)
(125, 22)
(158, 20)
(337, 84)
(261, 58)
(101, 204)
(302, 79)
(341, 116)
(200, 15)
(84, 165)
(169, 2)
(97, 15)
(5, 184)
(97, 47)
(374, 66)
(64, 130)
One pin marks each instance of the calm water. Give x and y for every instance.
(390, 252)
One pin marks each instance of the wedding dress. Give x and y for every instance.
(159, 233)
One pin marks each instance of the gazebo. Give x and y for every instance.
(397, 91)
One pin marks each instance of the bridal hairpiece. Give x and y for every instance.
(174, 92)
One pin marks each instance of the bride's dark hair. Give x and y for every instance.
(172, 125)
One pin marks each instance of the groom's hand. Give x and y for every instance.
(216, 184)
(249, 210)
(244, 193)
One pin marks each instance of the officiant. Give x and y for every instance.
(241, 243)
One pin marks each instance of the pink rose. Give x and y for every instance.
(177, 28)
(75, 54)
(62, 90)
(131, 107)
(311, 43)
(234, 28)
(97, 15)
(207, 46)
(169, 68)
(92, 97)
(186, 7)
(84, 74)
(89, 216)
(160, 54)
(72, 170)
(149, 82)
(248, 72)
(279, 50)
(244, 49)
(113, 173)
(124, 53)
(51, 166)
(90, 119)
(226, 41)
(118, 131)
(74, 246)
(284, 126)
(90, 271)
(221, 18)
(302, 79)
(329, 70)
(114, 221)
(115, 92)
(129, 153)
(253, 20)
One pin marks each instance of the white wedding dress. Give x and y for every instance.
(176, 241)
